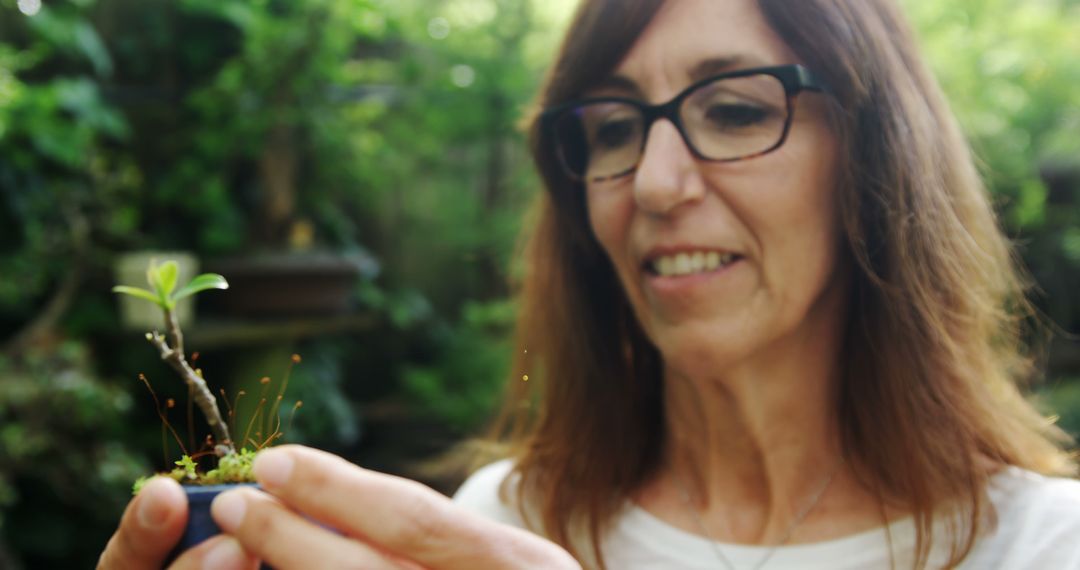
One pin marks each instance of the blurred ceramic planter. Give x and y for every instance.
(292, 284)
(130, 270)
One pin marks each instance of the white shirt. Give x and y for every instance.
(1038, 527)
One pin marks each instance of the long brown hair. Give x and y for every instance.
(929, 399)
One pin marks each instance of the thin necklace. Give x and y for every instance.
(811, 502)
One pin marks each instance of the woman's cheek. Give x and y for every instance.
(609, 217)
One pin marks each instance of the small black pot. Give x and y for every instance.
(201, 525)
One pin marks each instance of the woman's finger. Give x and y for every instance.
(221, 552)
(397, 515)
(151, 526)
(287, 541)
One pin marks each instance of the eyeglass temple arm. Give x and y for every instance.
(808, 81)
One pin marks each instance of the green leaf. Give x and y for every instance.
(89, 43)
(166, 276)
(137, 292)
(186, 463)
(186, 469)
(201, 283)
(151, 275)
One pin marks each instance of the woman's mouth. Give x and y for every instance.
(689, 263)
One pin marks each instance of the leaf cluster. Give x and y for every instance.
(163, 279)
(65, 455)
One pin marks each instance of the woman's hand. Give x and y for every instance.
(152, 526)
(384, 522)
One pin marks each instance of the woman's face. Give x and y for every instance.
(775, 214)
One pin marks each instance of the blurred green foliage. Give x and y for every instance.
(1012, 75)
(220, 127)
(462, 384)
(232, 126)
(63, 468)
(1061, 398)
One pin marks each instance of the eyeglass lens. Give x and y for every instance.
(726, 119)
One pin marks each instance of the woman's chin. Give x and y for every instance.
(695, 352)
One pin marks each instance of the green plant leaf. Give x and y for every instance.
(186, 463)
(151, 272)
(153, 277)
(137, 292)
(201, 283)
(166, 276)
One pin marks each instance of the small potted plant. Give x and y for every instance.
(233, 462)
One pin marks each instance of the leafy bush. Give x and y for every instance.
(1010, 70)
(65, 473)
(464, 382)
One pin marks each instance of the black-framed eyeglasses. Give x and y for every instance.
(732, 116)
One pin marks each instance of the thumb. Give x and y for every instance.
(151, 526)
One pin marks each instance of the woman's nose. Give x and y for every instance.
(667, 174)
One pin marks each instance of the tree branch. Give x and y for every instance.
(205, 399)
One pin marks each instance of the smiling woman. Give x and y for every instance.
(773, 320)
(770, 321)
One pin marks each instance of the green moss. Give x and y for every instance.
(233, 468)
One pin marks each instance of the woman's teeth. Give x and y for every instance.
(690, 263)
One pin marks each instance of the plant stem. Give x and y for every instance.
(201, 394)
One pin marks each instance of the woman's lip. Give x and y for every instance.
(677, 284)
(726, 258)
(657, 252)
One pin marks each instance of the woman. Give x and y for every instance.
(774, 320)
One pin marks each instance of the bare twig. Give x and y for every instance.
(174, 356)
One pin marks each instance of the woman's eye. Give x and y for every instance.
(735, 115)
(614, 133)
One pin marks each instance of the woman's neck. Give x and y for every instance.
(756, 442)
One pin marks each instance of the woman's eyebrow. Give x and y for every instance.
(701, 70)
(718, 65)
(620, 83)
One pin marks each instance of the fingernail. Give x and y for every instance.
(227, 554)
(272, 468)
(228, 510)
(152, 510)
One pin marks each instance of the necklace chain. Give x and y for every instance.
(811, 502)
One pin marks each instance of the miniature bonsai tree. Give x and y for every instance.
(234, 462)
(163, 293)
(233, 466)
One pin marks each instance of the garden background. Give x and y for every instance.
(361, 158)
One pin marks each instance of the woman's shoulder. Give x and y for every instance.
(1037, 522)
(480, 493)
(1017, 491)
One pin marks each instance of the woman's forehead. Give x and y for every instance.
(691, 39)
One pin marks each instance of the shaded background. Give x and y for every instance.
(353, 168)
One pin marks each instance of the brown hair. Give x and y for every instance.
(935, 345)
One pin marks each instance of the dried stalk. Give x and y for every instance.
(174, 356)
